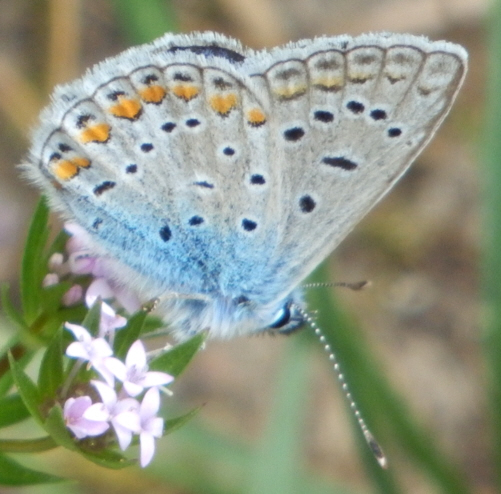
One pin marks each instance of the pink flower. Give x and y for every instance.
(134, 373)
(94, 350)
(146, 424)
(151, 425)
(115, 411)
(73, 413)
(72, 296)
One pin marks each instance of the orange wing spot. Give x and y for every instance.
(65, 169)
(153, 94)
(95, 133)
(223, 104)
(256, 117)
(329, 83)
(81, 162)
(126, 108)
(185, 91)
(290, 92)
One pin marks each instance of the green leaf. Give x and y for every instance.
(92, 319)
(36, 445)
(175, 361)
(51, 296)
(12, 410)
(128, 335)
(27, 389)
(12, 315)
(51, 376)
(59, 244)
(171, 425)
(56, 427)
(108, 459)
(33, 267)
(15, 474)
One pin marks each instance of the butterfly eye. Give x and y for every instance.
(283, 317)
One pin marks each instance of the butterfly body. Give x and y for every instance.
(216, 178)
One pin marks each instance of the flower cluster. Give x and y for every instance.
(119, 407)
(80, 260)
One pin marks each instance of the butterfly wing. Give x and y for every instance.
(349, 115)
(204, 169)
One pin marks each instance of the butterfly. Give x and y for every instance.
(216, 178)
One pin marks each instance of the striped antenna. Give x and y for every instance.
(374, 446)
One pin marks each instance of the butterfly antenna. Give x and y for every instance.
(357, 285)
(374, 446)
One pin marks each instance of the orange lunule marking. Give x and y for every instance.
(126, 108)
(256, 116)
(223, 104)
(185, 91)
(153, 94)
(290, 91)
(95, 133)
(81, 162)
(329, 81)
(65, 169)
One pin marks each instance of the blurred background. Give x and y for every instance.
(274, 419)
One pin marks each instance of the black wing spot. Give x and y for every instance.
(83, 120)
(192, 122)
(339, 162)
(204, 184)
(165, 233)
(248, 225)
(211, 51)
(113, 96)
(64, 148)
(97, 222)
(150, 78)
(228, 151)
(378, 114)
(323, 116)
(131, 168)
(196, 220)
(355, 107)
(394, 132)
(103, 187)
(293, 134)
(257, 179)
(146, 147)
(55, 157)
(307, 204)
(168, 126)
(178, 76)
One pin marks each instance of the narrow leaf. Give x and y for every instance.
(172, 425)
(15, 474)
(12, 315)
(12, 410)
(92, 319)
(51, 376)
(175, 361)
(128, 335)
(56, 427)
(32, 263)
(27, 389)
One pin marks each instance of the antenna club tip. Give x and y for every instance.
(376, 449)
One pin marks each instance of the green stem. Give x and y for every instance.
(27, 445)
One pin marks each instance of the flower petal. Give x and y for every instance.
(136, 356)
(155, 378)
(116, 367)
(147, 448)
(150, 404)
